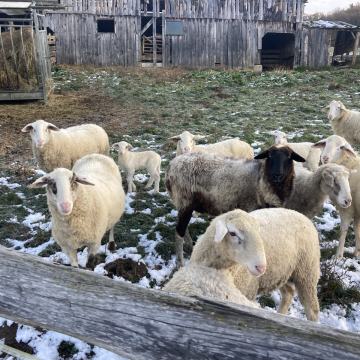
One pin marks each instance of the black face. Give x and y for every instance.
(279, 162)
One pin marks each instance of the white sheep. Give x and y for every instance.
(345, 123)
(132, 161)
(84, 203)
(53, 147)
(292, 254)
(232, 148)
(304, 149)
(337, 150)
(311, 189)
(232, 240)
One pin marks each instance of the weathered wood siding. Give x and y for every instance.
(78, 41)
(272, 10)
(315, 47)
(210, 42)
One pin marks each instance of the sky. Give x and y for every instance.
(326, 6)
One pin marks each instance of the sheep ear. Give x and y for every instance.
(262, 155)
(320, 144)
(115, 146)
(40, 182)
(199, 137)
(329, 179)
(27, 128)
(220, 230)
(82, 180)
(297, 157)
(349, 150)
(342, 106)
(52, 127)
(174, 138)
(129, 147)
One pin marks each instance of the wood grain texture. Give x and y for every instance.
(149, 324)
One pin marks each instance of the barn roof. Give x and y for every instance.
(327, 24)
(15, 4)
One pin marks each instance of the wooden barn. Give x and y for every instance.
(193, 33)
(190, 33)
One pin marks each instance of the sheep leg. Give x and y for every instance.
(357, 237)
(345, 223)
(157, 183)
(184, 217)
(111, 244)
(188, 241)
(72, 255)
(131, 185)
(308, 298)
(150, 181)
(92, 250)
(287, 295)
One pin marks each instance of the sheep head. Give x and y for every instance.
(186, 141)
(336, 109)
(237, 236)
(122, 147)
(40, 132)
(61, 187)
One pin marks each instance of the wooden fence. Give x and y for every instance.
(139, 323)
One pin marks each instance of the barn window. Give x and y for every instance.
(106, 25)
(174, 27)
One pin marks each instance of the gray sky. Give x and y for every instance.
(326, 6)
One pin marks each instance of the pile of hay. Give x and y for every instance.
(17, 60)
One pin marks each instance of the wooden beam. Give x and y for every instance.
(356, 46)
(148, 324)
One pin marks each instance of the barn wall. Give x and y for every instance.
(210, 42)
(78, 41)
(271, 10)
(315, 47)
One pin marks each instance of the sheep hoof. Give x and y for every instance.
(91, 262)
(111, 246)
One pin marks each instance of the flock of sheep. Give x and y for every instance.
(261, 238)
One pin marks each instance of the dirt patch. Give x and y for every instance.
(8, 333)
(128, 269)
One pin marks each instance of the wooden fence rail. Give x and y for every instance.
(149, 324)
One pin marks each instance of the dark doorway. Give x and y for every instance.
(278, 51)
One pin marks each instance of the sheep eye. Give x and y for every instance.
(231, 233)
(53, 188)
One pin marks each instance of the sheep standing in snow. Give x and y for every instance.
(84, 203)
(209, 184)
(312, 189)
(337, 150)
(304, 149)
(132, 161)
(292, 256)
(53, 147)
(345, 123)
(232, 148)
(232, 239)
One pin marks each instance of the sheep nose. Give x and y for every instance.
(40, 143)
(325, 159)
(277, 178)
(186, 149)
(347, 202)
(260, 269)
(65, 207)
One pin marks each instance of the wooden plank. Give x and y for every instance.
(148, 324)
(10, 96)
(356, 46)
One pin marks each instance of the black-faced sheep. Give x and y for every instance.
(209, 184)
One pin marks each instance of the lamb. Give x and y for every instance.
(337, 150)
(345, 123)
(84, 203)
(311, 189)
(53, 147)
(304, 149)
(132, 161)
(291, 248)
(233, 148)
(209, 184)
